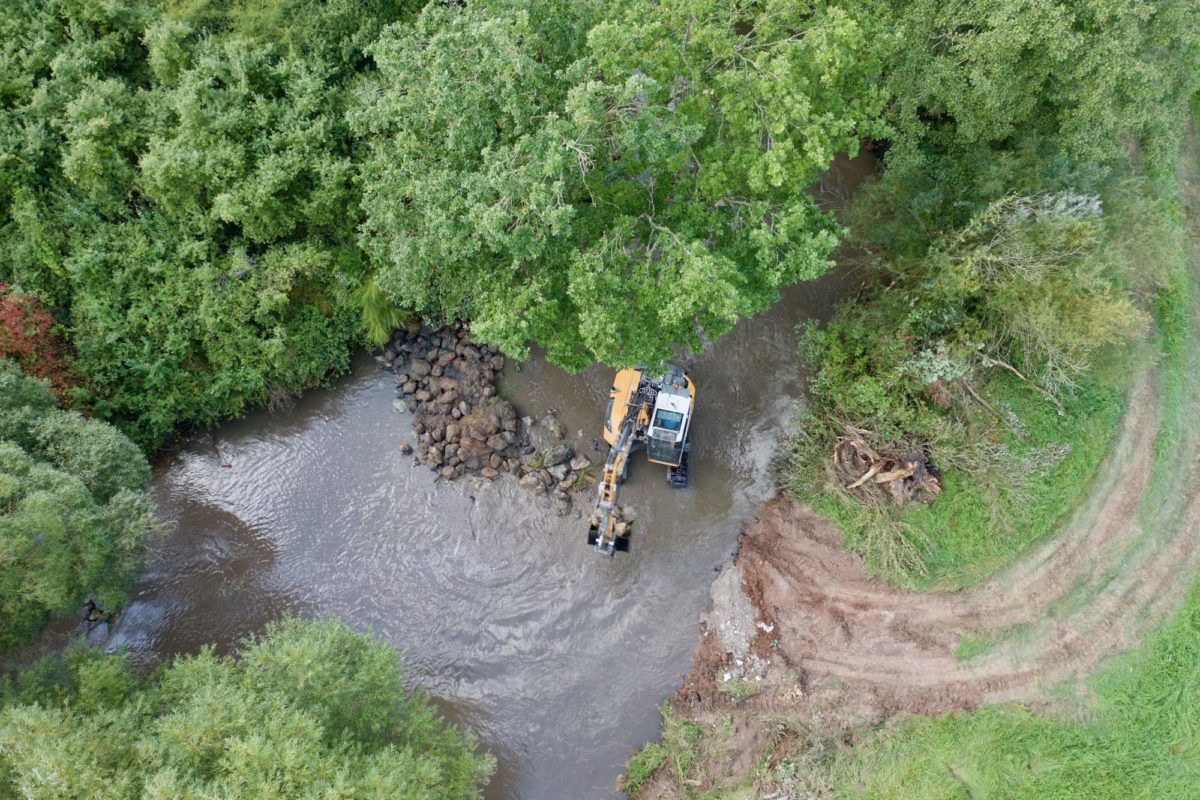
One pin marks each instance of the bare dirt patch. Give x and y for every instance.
(847, 649)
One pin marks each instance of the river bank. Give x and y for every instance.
(813, 678)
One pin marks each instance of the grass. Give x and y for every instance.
(972, 644)
(956, 537)
(1141, 738)
(1142, 741)
(641, 766)
(738, 689)
(689, 751)
(962, 527)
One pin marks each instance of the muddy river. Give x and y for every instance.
(555, 656)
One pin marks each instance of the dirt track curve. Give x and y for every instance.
(1119, 566)
(821, 640)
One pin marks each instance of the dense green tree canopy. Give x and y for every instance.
(74, 518)
(310, 710)
(183, 195)
(609, 188)
(216, 198)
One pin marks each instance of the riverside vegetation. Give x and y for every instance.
(205, 205)
(1019, 269)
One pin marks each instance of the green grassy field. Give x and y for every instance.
(1140, 737)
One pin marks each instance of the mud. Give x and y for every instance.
(848, 649)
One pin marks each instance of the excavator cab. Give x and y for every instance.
(670, 420)
(651, 411)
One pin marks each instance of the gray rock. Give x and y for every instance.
(399, 405)
(436, 371)
(558, 471)
(489, 472)
(406, 449)
(449, 473)
(532, 483)
(419, 368)
(557, 454)
(497, 363)
(497, 442)
(580, 463)
(422, 396)
(555, 426)
(434, 458)
(409, 387)
(452, 432)
(628, 514)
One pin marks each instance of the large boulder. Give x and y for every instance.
(558, 454)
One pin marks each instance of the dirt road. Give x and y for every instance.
(800, 624)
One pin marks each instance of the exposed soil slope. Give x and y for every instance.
(840, 648)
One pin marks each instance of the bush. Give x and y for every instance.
(29, 335)
(982, 349)
(74, 518)
(310, 709)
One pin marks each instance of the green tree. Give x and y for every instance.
(611, 182)
(179, 188)
(994, 97)
(74, 519)
(309, 710)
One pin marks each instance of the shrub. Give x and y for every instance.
(310, 709)
(74, 518)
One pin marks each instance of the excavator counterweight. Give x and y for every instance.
(644, 411)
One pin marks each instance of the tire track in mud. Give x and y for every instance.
(866, 649)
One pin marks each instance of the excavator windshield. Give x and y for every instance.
(668, 420)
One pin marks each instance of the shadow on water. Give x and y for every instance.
(556, 657)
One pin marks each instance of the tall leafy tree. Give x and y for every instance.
(308, 710)
(74, 519)
(608, 189)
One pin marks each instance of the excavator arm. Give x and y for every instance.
(651, 411)
(602, 530)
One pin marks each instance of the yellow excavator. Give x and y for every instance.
(644, 410)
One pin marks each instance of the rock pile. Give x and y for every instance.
(448, 384)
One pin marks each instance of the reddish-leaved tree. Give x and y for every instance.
(28, 336)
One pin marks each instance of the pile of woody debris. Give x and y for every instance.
(870, 475)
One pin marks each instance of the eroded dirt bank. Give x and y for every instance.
(798, 627)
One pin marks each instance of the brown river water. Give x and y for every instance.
(555, 656)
